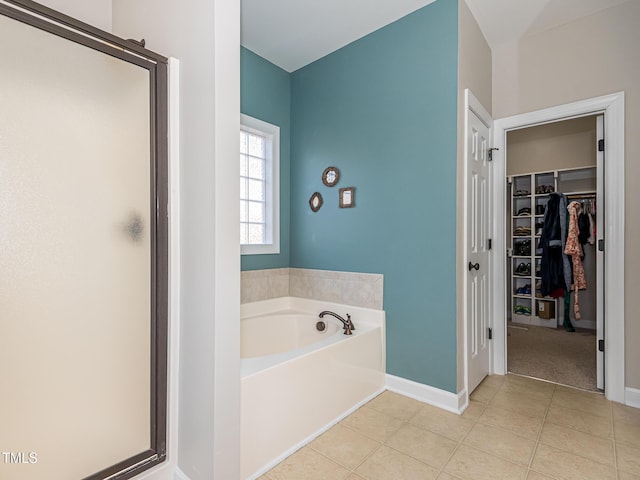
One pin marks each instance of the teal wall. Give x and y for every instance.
(384, 111)
(265, 93)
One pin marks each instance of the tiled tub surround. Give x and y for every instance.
(258, 285)
(348, 288)
(359, 289)
(288, 398)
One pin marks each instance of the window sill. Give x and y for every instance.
(266, 249)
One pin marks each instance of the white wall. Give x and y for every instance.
(205, 36)
(93, 12)
(552, 146)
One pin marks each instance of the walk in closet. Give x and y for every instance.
(552, 187)
(530, 194)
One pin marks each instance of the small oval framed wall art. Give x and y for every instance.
(315, 202)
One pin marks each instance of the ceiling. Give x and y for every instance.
(294, 33)
(504, 21)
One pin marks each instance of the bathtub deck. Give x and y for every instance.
(289, 398)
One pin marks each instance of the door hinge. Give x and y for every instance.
(489, 244)
(601, 345)
(489, 334)
(601, 145)
(601, 245)
(491, 153)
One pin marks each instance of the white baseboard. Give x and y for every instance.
(632, 397)
(180, 475)
(456, 403)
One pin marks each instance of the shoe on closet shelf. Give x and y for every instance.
(522, 245)
(522, 232)
(524, 212)
(542, 189)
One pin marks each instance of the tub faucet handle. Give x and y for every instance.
(347, 324)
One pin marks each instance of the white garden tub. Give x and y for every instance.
(296, 381)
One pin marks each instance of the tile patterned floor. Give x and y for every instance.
(514, 428)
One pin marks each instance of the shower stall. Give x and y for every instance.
(83, 249)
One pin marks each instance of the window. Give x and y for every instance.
(259, 187)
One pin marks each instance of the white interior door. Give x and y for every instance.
(600, 254)
(477, 267)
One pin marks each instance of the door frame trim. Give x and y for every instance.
(471, 103)
(612, 106)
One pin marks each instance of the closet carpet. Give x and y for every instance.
(553, 354)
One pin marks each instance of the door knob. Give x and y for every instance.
(474, 265)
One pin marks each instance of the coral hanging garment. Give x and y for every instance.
(574, 249)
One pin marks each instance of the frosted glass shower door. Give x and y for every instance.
(75, 257)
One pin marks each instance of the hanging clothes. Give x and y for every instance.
(592, 230)
(564, 228)
(584, 230)
(552, 269)
(567, 320)
(574, 248)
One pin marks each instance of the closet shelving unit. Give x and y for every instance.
(529, 197)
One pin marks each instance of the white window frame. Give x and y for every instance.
(272, 193)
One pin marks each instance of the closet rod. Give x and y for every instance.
(581, 196)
